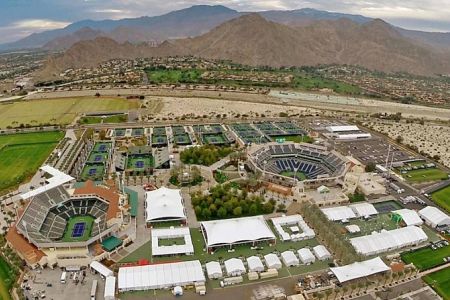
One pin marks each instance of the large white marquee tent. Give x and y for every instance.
(339, 213)
(379, 242)
(434, 217)
(363, 209)
(164, 204)
(360, 269)
(321, 252)
(236, 231)
(409, 216)
(160, 276)
(295, 221)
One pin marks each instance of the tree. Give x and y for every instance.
(221, 213)
(237, 211)
(206, 213)
(370, 167)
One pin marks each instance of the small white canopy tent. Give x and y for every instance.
(234, 267)
(434, 217)
(255, 264)
(289, 258)
(272, 261)
(306, 256)
(101, 269)
(110, 288)
(321, 252)
(213, 269)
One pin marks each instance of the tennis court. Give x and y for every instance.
(214, 139)
(140, 163)
(102, 147)
(119, 132)
(96, 157)
(93, 172)
(78, 228)
(137, 131)
(159, 140)
(182, 139)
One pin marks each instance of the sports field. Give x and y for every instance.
(292, 174)
(182, 139)
(425, 175)
(59, 111)
(76, 232)
(93, 172)
(426, 258)
(107, 119)
(442, 198)
(5, 280)
(22, 154)
(96, 157)
(440, 282)
(139, 163)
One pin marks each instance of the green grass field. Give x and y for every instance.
(440, 282)
(59, 111)
(108, 119)
(442, 198)
(425, 175)
(299, 175)
(5, 280)
(22, 154)
(171, 241)
(88, 220)
(426, 258)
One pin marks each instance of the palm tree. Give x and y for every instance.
(328, 293)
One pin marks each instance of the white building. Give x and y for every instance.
(214, 270)
(255, 264)
(363, 210)
(289, 259)
(171, 233)
(160, 276)
(163, 205)
(384, 241)
(434, 217)
(409, 216)
(234, 267)
(306, 256)
(321, 252)
(299, 230)
(360, 269)
(347, 132)
(230, 232)
(110, 288)
(272, 261)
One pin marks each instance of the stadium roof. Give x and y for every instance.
(339, 213)
(169, 233)
(343, 128)
(160, 276)
(409, 216)
(363, 209)
(58, 178)
(164, 204)
(434, 216)
(236, 231)
(360, 269)
(383, 241)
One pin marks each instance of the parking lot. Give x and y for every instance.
(48, 282)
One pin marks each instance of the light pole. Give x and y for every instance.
(97, 221)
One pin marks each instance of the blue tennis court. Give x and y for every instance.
(78, 229)
(139, 164)
(92, 172)
(98, 158)
(102, 148)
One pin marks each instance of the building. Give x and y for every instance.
(229, 232)
(164, 205)
(234, 267)
(434, 217)
(289, 259)
(213, 270)
(306, 256)
(347, 132)
(358, 270)
(321, 252)
(255, 264)
(160, 276)
(272, 261)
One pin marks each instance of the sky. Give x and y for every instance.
(20, 18)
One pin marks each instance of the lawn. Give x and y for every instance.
(425, 175)
(426, 258)
(89, 222)
(171, 241)
(440, 282)
(22, 154)
(5, 280)
(313, 83)
(59, 111)
(107, 119)
(442, 198)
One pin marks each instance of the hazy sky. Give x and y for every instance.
(19, 18)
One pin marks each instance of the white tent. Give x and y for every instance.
(272, 261)
(170, 233)
(110, 288)
(101, 269)
(289, 259)
(255, 264)
(434, 217)
(164, 204)
(363, 209)
(160, 276)
(360, 269)
(234, 267)
(339, 213)
(353, 228)
(293, 221)
(321, 252)
(236, 231)
(306, 256)
(213, 269)
(379, 242)
(409, 216)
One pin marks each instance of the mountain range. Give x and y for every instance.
(276, 38)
